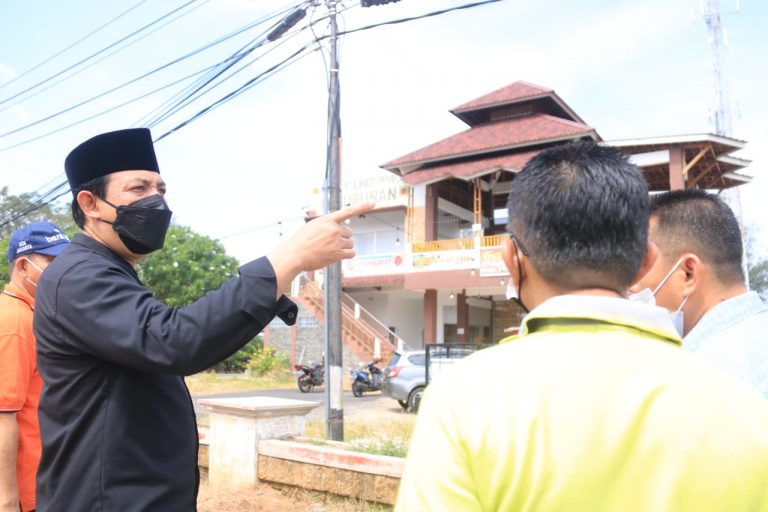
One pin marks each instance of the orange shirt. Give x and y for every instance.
(20, 384)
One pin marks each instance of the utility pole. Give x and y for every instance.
(334, 408)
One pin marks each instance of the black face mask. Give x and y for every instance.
(142, 225)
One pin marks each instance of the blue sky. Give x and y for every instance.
(628, 68)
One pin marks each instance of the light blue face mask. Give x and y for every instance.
(648, 296)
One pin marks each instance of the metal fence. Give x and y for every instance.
(441, 355)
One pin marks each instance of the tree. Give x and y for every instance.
(757, 263)
(11, 218)
(187, 267)
(238, 362)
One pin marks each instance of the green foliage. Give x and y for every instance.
(757, 264)
(12, 206)
(266, 360)
(189, 266)
(391, 446)
(758, 278)
(237, 362)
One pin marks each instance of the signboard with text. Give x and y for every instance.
(374, 264)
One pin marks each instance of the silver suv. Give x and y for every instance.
(406, 374)
(405, 379)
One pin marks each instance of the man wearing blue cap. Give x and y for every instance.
(30, 250)
(116, 419)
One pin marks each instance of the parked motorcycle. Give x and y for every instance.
(368, 379)
(308, 377)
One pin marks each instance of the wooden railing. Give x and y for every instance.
(361, 326)
(458, 244)
(493, 240)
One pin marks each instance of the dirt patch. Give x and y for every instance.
(271, 498)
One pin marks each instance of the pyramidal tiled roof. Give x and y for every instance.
(510, 94)
(470, 169)
(495, 136)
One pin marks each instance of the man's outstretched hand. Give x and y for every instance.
(317, 244)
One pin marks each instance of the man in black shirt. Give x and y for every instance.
(116, 419)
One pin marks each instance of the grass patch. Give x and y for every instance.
(394, 447)
(210, 383)
(387, 437)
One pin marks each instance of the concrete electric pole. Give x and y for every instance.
(334, 408)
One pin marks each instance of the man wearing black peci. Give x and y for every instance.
(117, 422)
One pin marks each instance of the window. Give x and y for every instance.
(417, 359)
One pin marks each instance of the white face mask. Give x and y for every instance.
(678, 318)
(38, 269)
(511, 290)
(648, 296)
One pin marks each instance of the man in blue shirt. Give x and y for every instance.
(699, 276)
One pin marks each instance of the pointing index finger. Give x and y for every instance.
(350, 211)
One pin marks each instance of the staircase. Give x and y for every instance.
(360, 330)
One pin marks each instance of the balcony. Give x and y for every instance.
(458, 244)
(482, 254)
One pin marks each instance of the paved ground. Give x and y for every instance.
(352, 406)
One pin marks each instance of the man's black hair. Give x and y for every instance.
(96, 186)
(701, 223)
(580, 211)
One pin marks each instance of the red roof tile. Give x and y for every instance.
(513, 162)
(509, 94)
(498, 135)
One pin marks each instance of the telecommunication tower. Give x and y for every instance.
(721, 110)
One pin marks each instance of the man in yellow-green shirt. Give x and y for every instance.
(593, 407)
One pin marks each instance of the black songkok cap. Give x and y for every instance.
(123, 150)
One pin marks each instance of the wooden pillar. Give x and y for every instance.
(462, 317)
(430, 317)
(265, 337)
(676, 165)
(477, 185)
(430, 213)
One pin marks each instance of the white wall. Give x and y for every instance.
(374, 302)
(403, 311)
(379, 232)
(407, 314)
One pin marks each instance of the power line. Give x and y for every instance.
(420, 17)
(247, 85)
(153, 115)
(260, 228)
(46, 61)
(243, 88)
(43, 201)
(99, 114)
(39, 202)
(140, 77)
(224, 67)
(81, 61)
(102, 59)
(289, 60)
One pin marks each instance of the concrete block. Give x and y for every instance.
(238, 424)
